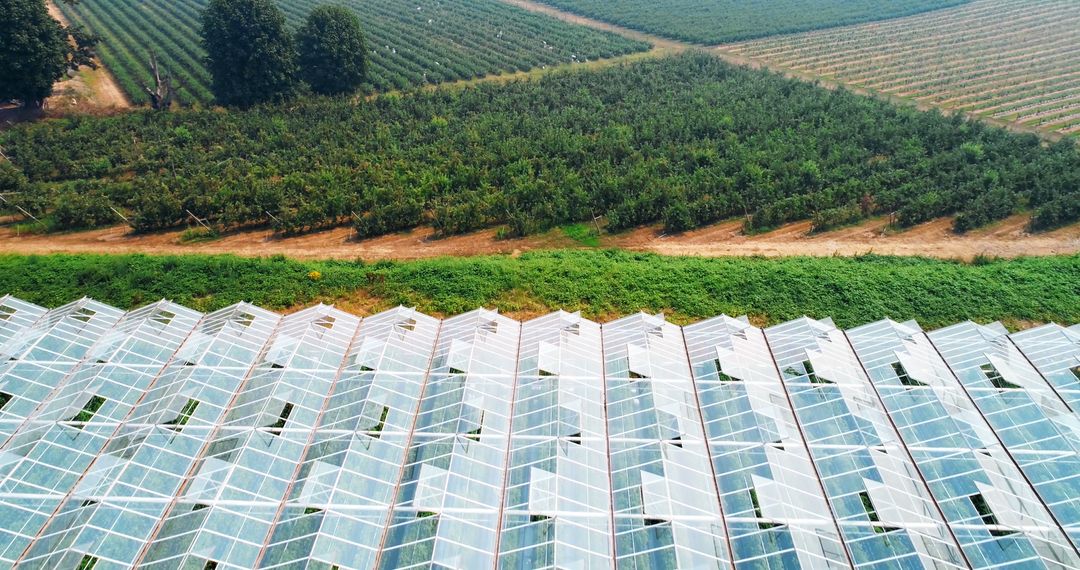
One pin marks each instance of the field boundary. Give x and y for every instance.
(1005, 239)
(104, 91)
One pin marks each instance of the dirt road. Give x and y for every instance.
(89, 90)
(933, 239)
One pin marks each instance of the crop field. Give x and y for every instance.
(1010, 61)
(687, 141)
(411, 42)
(719, 21)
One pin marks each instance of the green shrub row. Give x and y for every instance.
(601, 284)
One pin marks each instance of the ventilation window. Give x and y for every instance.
(1076, 372)
(456, 370)
(89, 409)
(184, 416)
(424, 514)
(408, 325)
(382, 422)
(244, 319)
(83, 316)
(326, 322)
(987, 515)
(546, 373)
(676, 441)
(88, 562)
(276, 427)
(223, 449)
(655, 332)
(654, 522)
(574, 329)
(163, 318)
(812, 376)
(635, 375)
(762, 523)
(720, 373)
(87, 503)
(538, 518)
(868, 505)
(490, 327)
(6, 312)
(996, 378)
(199, 507)
(210, 565)
(574, 438)
(904, 377)
(4, 399)
(312, 511)
(366, 368)
(872, 514)
(475, 434)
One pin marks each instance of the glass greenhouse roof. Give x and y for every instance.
(168, 438)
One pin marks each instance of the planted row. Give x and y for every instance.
(412, 42)
(720, 21)
(686, 141)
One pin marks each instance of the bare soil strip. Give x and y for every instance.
(90, 90)
(933, 239)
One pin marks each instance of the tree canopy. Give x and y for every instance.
(34, 52)
(687, 141)
(250, 54)
(333, 57)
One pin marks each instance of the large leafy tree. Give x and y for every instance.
(34, 52)
(250, 54)
(333, 59)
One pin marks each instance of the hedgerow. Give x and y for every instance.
(601, 284)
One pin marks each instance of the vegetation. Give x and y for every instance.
(719, 21)
(411, 42)
(602, 284)
(250, 54)
(332, 54)
(982, 59)
(35, 51)
(688, 141)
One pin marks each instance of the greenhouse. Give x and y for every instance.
(168, 438)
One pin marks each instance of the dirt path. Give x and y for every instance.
(657, 41)
(90, 89)
(934, 239)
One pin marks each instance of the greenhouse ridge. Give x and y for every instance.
(165, 437)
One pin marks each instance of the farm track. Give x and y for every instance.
(933, 239)
(91, 89)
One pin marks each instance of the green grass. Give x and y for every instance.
(601, 284)
(583, 234)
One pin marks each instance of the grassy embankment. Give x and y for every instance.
(602, 284)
